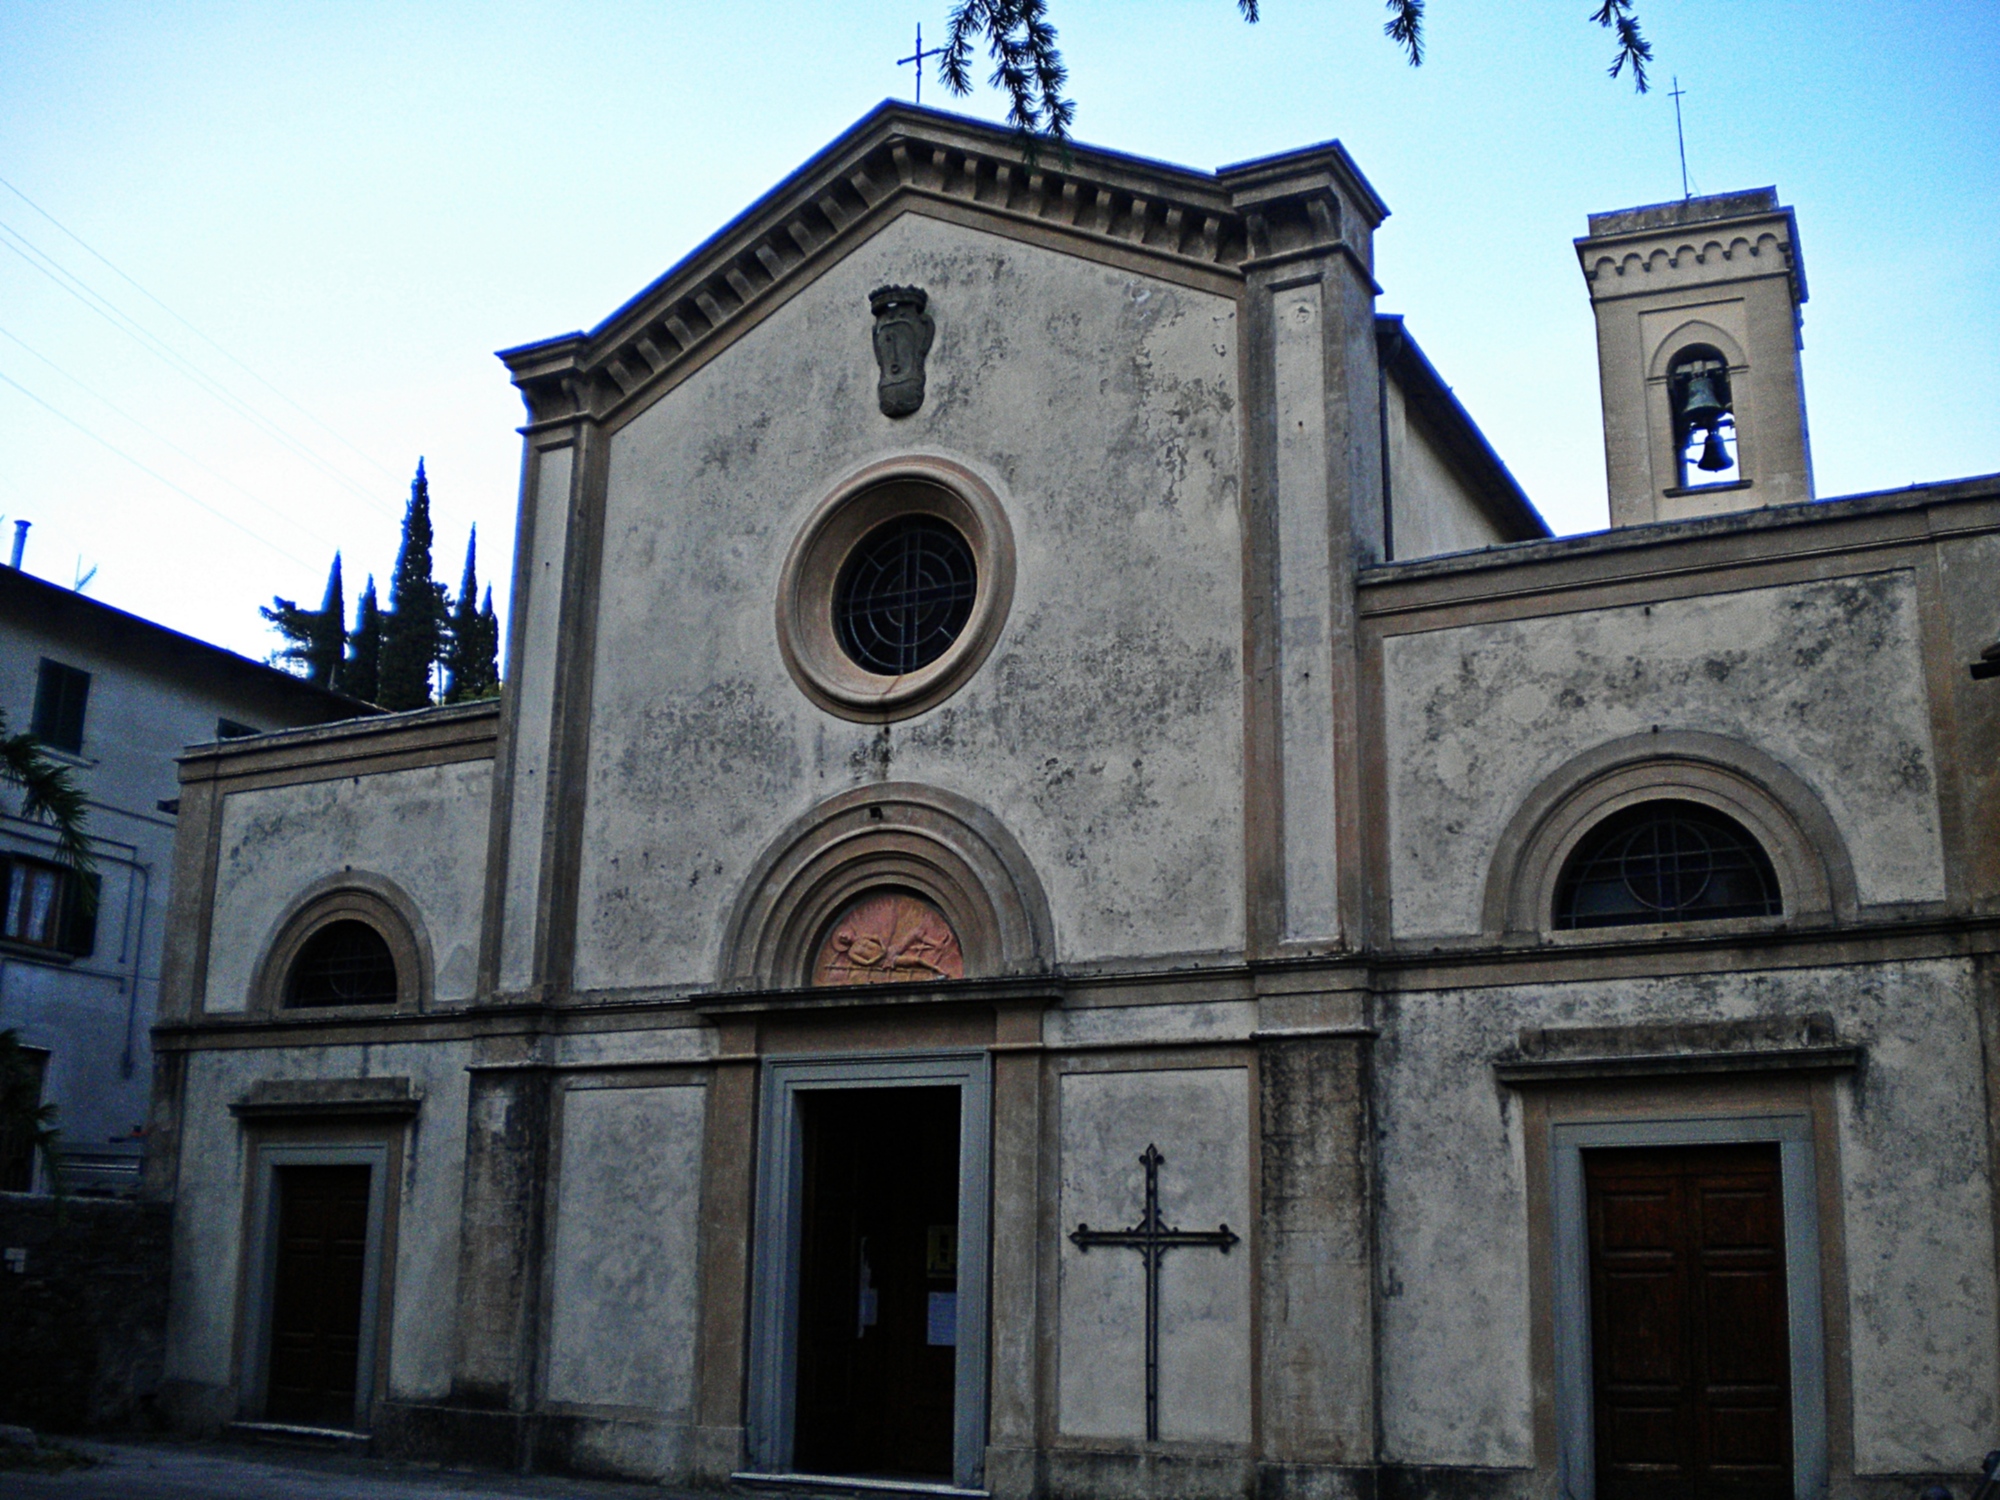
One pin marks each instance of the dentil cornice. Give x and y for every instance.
(1215, 226)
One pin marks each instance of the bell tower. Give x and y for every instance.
(1698, 308)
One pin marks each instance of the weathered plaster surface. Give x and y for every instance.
(425, 829)
(1434, 513)
(532, 682)
(1209, 1021)
(1105, 728)
(213, 1185)
(1478, 715)
(675, 1044)
(1917, 1218)
(623, 1272)
(1200, 1120)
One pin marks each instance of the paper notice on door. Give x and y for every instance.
(942, 1326)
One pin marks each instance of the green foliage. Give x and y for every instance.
(49, 791)
(25, 1122)
(361, 673)
(1028, 66)
(472, 651)
(414, 629)
(390, 656)
(314, 638)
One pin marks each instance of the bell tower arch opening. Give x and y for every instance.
(1698, 306)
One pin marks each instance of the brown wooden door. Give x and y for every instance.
(316, 1302)
(1692, 1364)
(878, 1283)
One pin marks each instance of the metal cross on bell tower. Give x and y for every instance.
(1153, 1240)
(918, 57)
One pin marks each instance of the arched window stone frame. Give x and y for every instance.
(1688, 335)
(1776, 807)
(894, 835)
(912, 485)
(351, 895)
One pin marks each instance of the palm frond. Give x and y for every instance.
(48, 791)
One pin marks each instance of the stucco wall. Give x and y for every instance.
(425, 829)
(624, 1269)
(1478, 715)
(1199, 1118)
(1104, 731)
(213, 1184)
(1455, 1310)
(1433, 511)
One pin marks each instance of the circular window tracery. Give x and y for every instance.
(888, 937)
(895, 589)
(346, 962)
(1666, 861)
(904, 595)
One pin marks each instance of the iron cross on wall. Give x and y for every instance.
(1153, 1240)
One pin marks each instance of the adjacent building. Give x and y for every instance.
(117, 699)
(1070, 896)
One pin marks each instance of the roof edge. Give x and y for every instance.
(1499, 493)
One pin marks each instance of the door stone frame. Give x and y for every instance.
(261, 1261)
(778, 1226)
(1805, 1335)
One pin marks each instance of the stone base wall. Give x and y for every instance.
(83, 1315)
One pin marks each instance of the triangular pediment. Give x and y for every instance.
(1212, 226)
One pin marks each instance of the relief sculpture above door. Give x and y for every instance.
(889, 937)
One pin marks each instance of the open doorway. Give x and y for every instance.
(868, 1316)
(878, 1282)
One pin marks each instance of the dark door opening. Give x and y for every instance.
(1691, 1356)
(878, 1283)
(316, 1299)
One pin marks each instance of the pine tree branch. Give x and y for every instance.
(1616, 16)
(1028, 66)
(1405, 27)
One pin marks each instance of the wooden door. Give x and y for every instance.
(878, 1283)
(1692, 1363)
(316, 1301)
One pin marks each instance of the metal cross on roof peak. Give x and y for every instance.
(1153, 1240)
(918, 57)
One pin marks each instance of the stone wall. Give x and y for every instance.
(83, 1318)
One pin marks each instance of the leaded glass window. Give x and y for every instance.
(1666, 861)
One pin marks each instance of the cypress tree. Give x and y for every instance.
(313, 637)
(330, 631)
(469, 657)
(361, 673)
(413, 629)
(489, 639)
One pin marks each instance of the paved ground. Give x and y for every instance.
(210, 1471)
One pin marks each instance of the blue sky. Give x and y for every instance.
(342, 210)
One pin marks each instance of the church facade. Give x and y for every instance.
(1070, 896)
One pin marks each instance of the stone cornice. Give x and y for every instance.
(1208, 225)
(1655, 258)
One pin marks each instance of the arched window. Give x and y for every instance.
(346, 962)
(1665, 861)
(1704, 418)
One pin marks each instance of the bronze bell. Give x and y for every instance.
(1714, 457)
(1702, 406)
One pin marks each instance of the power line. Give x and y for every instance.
(166, 441)
(364, 457)
(174, 360)
(154, 473)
